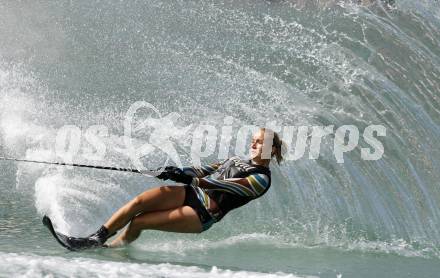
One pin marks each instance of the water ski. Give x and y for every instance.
(61, 238)
(71, 243)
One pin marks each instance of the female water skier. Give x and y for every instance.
(209, 192)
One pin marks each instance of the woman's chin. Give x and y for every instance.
(253, 155)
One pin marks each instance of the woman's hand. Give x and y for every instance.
(175, 174)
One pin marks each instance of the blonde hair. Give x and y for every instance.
(277, 143)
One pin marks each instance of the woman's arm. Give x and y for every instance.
(252, 186)
(202, 171)
(188, 173)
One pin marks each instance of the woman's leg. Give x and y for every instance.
(156, 199)
(182, 220)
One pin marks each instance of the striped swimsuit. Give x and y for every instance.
(227, 185)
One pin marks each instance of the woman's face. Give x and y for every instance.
(256, 147)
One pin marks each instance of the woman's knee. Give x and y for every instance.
(159, 198)
(172, 192)
(136, 203)
(139, 201)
